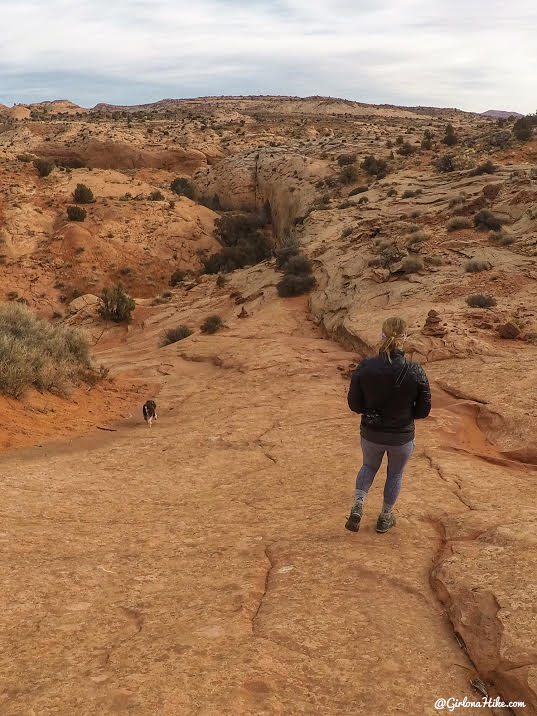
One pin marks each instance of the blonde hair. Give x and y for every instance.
(394, 330)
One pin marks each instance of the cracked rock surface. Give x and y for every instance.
(202, 566)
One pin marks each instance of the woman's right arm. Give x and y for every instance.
(422, 405)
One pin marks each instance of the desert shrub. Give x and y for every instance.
(389, 254)
(221, 280)
(359, 190)
(83, 194)
(231, 228)
(500, 138)
(478, 300)
(295, 285)
(346, 159)
(298, 264)
(457, 200)
(456, 223)
(182, 187)
(363, 200)
(346, 232)
(485, 220)
(427, 141)
(434, 260)
(523, 129)
(156, 196)
(176, 334)
(76, 213)
(392, 191)
(43, 166)
(476, 265)
(345, 205)
(375, 167)
(408, 194)
(412, 264)
(486, 168)
(348, 174)
(502, 237)
(375, 261)
(177, 276)
(446, 163)
(35, 353)
(116, 304)
(243, 243)
(417, 237)
(212, 324)
(284, 253)
(450, 138)
(406, 149)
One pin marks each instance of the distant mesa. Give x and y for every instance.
(500, 114)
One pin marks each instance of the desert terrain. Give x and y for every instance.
(202, 566)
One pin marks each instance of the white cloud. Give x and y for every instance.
(472, 55)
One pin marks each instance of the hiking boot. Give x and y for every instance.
(385, 521)
(353, 521)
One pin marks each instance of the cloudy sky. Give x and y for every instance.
(471, 54)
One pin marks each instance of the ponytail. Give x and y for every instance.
(393, 335)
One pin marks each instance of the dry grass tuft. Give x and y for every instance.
(35, 353)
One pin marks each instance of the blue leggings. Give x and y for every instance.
(398, 456)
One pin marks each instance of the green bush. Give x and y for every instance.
(485, 220)
(35, 353)
(76, 213)
(457, 223)
(116, 304)
(176, 334)
(478, 300)
(212, 324)
(476, 265)
(295, 285)
(156, 196)
(43, 166)
(83, 194)
(182, 187)
(243, 243)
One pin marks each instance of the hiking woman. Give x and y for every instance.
(390, 392)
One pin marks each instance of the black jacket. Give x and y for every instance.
(373, 387)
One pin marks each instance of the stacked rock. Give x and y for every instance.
(433, 325)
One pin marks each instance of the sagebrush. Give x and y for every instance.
(35, 353)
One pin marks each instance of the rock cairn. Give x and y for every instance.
(433, 325)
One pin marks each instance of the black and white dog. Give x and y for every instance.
(150, 412)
